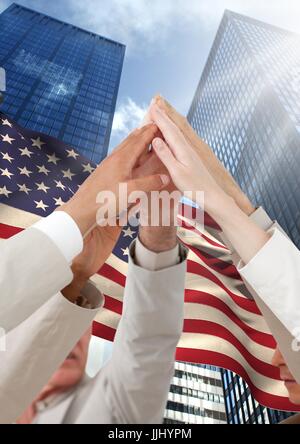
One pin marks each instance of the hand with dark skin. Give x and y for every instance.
(124, 165)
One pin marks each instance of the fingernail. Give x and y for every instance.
(165, 179)
(157, 143)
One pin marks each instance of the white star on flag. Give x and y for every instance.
(6, 173)
(88, 168)
(41, 205)
(25, 152)
(6, 122)
(5, 192)
(24, 171)
(58, 202)
(43, 170)
(38, 143)
(6, 156)
(7, 139)
(68, 174)
(72, 153)
(53, 159)
(128, 233)
(60, 185)
(42, 187)
(125, 251)
(23, 188)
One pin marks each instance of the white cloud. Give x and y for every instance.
(147, 24)
(139, 23)
(128, 116)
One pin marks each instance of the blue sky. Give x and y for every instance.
(168, 42)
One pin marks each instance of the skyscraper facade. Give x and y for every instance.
(60, 79)
(196, 396)
(247, 108)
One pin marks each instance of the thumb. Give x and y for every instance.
(150, 183)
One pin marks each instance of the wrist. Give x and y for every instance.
(158, 239)
(73, 291)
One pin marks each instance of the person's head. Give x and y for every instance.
(292, 386)
(72, 370)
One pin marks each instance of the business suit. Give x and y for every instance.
(133, 387)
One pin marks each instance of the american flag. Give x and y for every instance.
(223, 326)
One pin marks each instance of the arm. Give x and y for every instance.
(37, 347)
(134, 385)
(38, 260)
(269, 261)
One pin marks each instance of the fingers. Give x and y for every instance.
(150, 183)
(138, 144)
(172, 134)
(165, 155)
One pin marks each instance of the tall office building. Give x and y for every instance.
(61, 80)
(247, 108)
(196, 396)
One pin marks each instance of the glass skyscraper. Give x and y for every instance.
(196, 396)
(61, 80)
(247, 108)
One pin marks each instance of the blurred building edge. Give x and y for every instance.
(247, 108)
(60, 80)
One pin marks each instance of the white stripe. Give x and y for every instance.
(17, 218)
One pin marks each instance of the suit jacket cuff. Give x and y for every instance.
(274, 275)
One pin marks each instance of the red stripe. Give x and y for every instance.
(104, 332)
(243, 302)
(111, 273)
(216, 330)
(7, 231)
(197, 215)
(188, 227)
(199, 297)
(220, 360)
(222, 267)
(113, 305)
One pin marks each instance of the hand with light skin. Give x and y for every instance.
(189, 174)
(124, 165)
(206, 154)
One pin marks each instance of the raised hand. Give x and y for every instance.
(206, 154)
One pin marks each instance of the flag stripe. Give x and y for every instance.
(223, 361)
(202, 298)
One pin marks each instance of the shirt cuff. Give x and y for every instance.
(91, 297)
(64, 233)
(273, 275)
(151, 261)
(262, 219)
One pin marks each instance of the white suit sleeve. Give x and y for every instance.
(37, 347)
(272, 278)
(135, 383)
(35, 265)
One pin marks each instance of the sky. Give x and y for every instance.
(168, 42)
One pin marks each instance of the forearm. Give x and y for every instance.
(244, 235)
